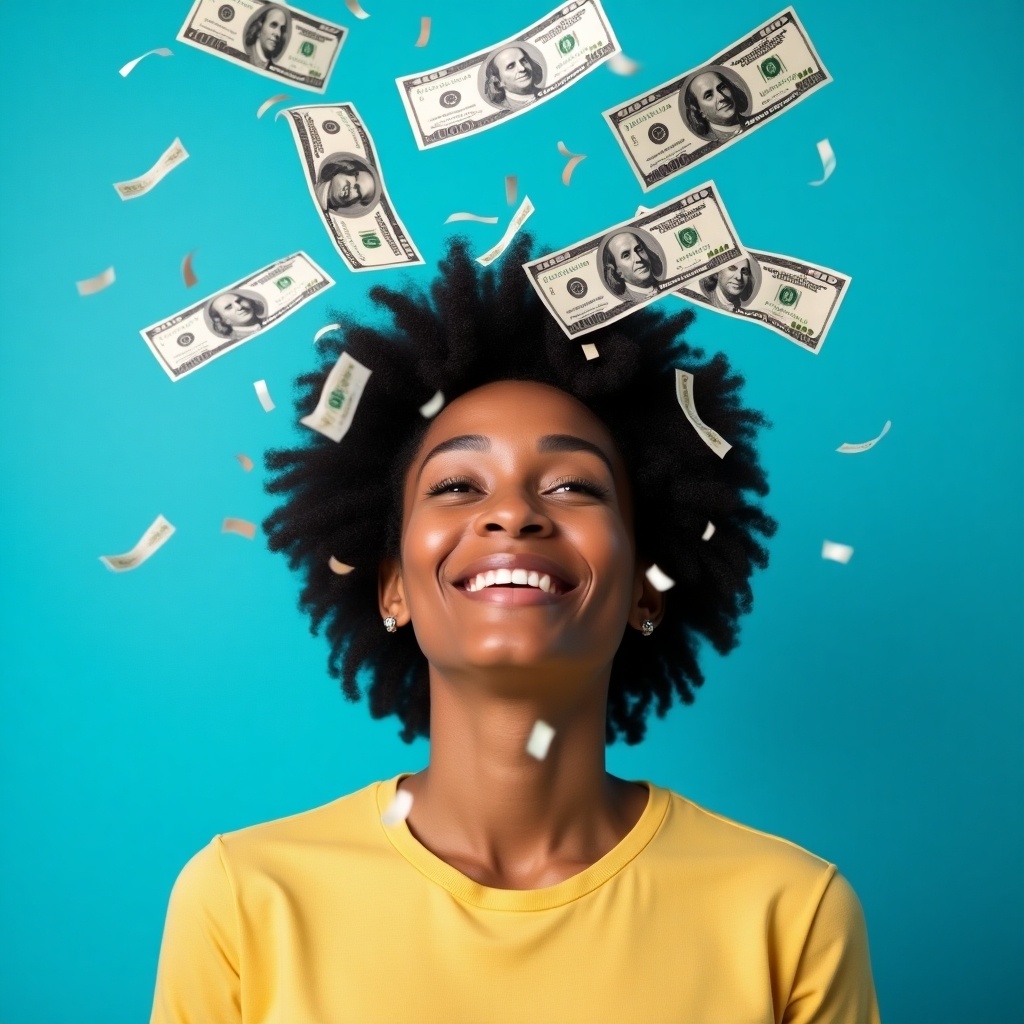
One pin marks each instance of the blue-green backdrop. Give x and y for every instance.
(873, 711)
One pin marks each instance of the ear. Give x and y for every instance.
(391, 592)
(648, 601)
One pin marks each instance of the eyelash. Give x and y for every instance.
(595, 490)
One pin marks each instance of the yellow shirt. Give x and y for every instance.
(329, 917)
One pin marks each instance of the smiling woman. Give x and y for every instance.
(500, 555)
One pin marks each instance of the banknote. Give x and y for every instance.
(347, 186)
(675, 126)
(611, 274)
(479, 91)
(158, 533)
(339, 398)
(227, 318)
(276, 40)
(169, 159)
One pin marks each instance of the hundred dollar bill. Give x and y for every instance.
(684, 121)
(169, 159)
(275, 40)
(158, 533)
(339, 398)
(220, 322)
(481, 90)
(347, 186)
(610, 275)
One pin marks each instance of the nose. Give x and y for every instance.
(511, 512)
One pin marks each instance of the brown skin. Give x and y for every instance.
(483, 804)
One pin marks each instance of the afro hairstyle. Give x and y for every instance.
(344, 500)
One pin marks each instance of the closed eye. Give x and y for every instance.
(461, 485)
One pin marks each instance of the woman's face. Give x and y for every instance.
(520, 477)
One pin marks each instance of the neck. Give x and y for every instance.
(498, 814)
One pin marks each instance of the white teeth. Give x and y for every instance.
(501, 576)
(533, 579)
(490, 578)
(521, 577)
(545, 584)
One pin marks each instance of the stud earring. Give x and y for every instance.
(391, 624)
(647, 627)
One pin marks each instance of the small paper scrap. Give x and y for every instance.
(157, 534)
(263, 394)
(453, 217)
(245, 461)
(92, 285)
(339, 568)
(684, 394)
(828, 161)
(709, 531)
(540, 739)
(511, 188)
(836, 552)
(623, 65)
(240, 526)
(590, 351)
(171, 157)
(353, 6)
(160, 51)
(659, 580)
(575, 159)
(852, 449)
(424, 36)
(428, 410)
(399, 808)
(339, 398)
(325, 330)
(518, 220)
(267, 104)
(188, 275)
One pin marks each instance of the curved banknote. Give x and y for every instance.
(276, 40)
(347, 186)
(623, 268)
(227, 318)
(507, 79)
(684, 121)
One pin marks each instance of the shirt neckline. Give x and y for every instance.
(487, 898)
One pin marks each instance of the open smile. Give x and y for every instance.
(514, 586)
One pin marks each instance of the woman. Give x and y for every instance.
(488, 566)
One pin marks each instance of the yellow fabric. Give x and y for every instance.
(329, 917)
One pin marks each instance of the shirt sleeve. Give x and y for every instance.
(197, 978)
(833, 983)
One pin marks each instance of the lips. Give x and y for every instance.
(517, 572)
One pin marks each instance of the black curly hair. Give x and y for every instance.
(344, 500)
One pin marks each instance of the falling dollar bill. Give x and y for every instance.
(677, 125)
(275, 40)
(347, 186)
(339, 398)
(220, 322)
(479, 91)
(169, 159)
(158, 533)
(611, 274)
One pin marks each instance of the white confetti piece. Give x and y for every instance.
(188, 275)
(453, 217)
(245, 461)
(92, 285)
(852, 449)
(836, 552)
(339, 398)
(160, 51)
(428, 410)
(659, 580)
(540, 739)
(339, 568)
(684, 394)
(511, 188)
(828, 161)
(240, 526)
(267, 104)
(709, 531)
(590, 351)
(424, 36)
(399, 808)
(518, 220)
(158, 533)
(575, 159)
(325, 330)
(623, 65)
(263, 393)
(173, 156)
(354, 8)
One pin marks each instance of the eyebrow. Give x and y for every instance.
(548, 443)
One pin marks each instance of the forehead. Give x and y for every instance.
(624, 240)
(510, 53)
(706, 81)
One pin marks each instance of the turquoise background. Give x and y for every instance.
(873, 711)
